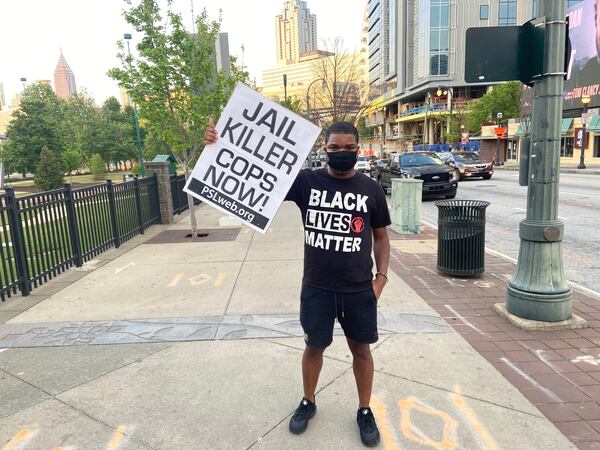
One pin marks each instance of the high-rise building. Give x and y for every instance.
(2, 97)
(64, 79)
(296, 31)
(125, 97)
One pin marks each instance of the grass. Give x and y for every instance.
(77, 179)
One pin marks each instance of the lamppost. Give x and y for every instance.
(138, 137)
(285, 88)
(23, 80)
(310, 161)
(3, 140)
(383, 134)
(425, 125)
(586, 101)
(449, 93)
(497, 162)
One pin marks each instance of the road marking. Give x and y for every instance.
(587, 359)
(579, 195)
(19, 437)
(121, 269)
(176, 280)
(389, 442)
(3, 350)
(200, 279)
(546, 391)
(463, 320)
(412, 432)
(459, 401)
(220, 279)
(117, 438)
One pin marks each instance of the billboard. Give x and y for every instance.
(583, 77)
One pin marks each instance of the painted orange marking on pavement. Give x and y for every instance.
(199, 279)
(459, 401)
(19, 437)
(117, 438)
(176, 280)
(412, 432)
(386, 433)
(220, 279)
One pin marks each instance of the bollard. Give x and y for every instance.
(407, 196)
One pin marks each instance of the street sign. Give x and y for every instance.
(580, 137)
(507, 53)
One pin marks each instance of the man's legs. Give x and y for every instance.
(312, 362)
(363, 368)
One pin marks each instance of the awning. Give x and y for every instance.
(566, 124)
(594, 125)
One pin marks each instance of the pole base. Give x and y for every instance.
(581, 166)
(547, 307)
(574, 323)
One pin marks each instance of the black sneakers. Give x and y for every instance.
(305, 411)
(369, 434)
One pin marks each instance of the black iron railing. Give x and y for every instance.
(179, 198)
(44, 234)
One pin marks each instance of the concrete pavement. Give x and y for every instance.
(171, 344)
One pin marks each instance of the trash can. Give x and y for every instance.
(461, 237)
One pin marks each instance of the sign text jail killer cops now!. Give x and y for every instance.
(260, 149)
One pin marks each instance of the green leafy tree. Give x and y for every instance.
(81, 125)
(293, 104)
(71, 161)
(504, 98)
(97, 167)
(35, 124)
(49, 173)
(173, 79)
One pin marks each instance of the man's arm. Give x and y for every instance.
(381, 248)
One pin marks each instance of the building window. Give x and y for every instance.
(439, 37)
(566, 147)
(597, 146)
(507, 15)
(484, 12)
(511, 150)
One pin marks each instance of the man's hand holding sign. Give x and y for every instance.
(249, 166)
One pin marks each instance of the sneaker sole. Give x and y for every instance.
(370, 444)
(302, 430)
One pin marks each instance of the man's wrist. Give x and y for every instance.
(381, 276)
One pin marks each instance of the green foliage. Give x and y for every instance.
(49, 173)
(458, 119)
(173, 79)
(81, 125)
(36, 124)
(97, 167)
(294, 105)
(71, 161)
(136, 170)
(504, 98)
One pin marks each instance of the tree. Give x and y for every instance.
(71, 161)
(504, 98)
(49, 173)
(342, 93)
(97, 166)
(36, 124)
(81, 125)
(173, 79)
(294, 105)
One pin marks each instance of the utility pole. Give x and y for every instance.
(539, 290)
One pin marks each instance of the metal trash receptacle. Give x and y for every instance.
(461, 237)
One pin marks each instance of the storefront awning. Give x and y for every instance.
(594, 125)
(565, 125)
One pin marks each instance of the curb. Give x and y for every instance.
(563, 170)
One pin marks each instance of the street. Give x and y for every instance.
(579, 206)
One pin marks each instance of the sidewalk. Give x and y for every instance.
(171, 344)
(589, 170)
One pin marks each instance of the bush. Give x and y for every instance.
(50, 171)
(97, 167)
(136, 170)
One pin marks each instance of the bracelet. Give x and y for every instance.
(381, 273)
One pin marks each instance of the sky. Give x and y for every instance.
(32, 33)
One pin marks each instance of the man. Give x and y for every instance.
(345, 217)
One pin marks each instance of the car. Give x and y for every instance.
(313, 162)
(439, 179)
(470, 164)
(363, 164)
(375, 165)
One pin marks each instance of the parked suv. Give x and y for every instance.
(470, 164)
(363, 164)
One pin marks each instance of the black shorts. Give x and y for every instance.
(356, 312)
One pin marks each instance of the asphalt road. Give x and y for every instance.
(579, 208)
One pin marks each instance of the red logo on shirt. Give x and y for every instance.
(358, 224)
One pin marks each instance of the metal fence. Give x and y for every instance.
(44, 234)
(179, 198)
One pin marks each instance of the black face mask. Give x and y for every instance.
(342, 161)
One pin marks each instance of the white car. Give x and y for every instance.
(363, 164)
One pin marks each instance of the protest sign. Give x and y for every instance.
(260, 149)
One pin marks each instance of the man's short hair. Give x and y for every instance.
(341, 128)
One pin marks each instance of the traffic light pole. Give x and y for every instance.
(539, 290)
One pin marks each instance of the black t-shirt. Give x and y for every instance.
(338, 216)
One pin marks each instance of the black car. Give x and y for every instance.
(470, 164)
(439, 179)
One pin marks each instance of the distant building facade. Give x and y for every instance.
(64, 79)
(296, 32)
(2, 98)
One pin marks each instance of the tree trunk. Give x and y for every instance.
(192, 208)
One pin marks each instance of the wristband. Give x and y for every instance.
(381, 273)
